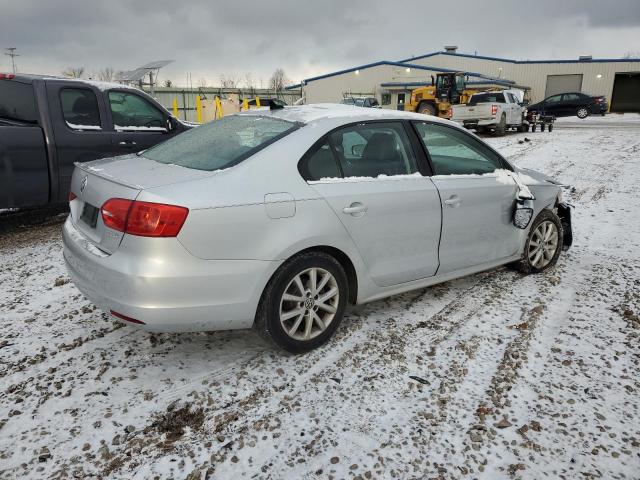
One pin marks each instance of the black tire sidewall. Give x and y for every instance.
(273, 294)
(543, 216)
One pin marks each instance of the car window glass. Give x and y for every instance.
(221, 144)
(321, 164)
(18, 102)
(554, 99)
(571, 97)
(80, 108)
(492, 97)
(131, 112)
(370, 150)
(454, 152)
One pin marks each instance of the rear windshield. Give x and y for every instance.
(17, 101)
(487, 98)
(221, 143)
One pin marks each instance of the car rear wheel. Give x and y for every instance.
(303, 304)
(582, 112)
(543, 244)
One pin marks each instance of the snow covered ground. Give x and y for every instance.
(497, 375)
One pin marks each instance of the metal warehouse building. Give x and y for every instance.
(392, 81)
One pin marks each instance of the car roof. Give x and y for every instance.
(319, 112)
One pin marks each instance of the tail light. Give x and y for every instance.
(6, 76)
(72, 196)
(494, 109)
(144, 219)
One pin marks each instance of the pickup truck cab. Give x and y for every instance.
(495, 111)
(47, 124)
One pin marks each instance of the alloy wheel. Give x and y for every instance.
(309, 304)
(543, 244)
(583, 113)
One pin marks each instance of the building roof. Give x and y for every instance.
(509, 60)
(395, 64)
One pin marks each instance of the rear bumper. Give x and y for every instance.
(481, 122)
(156, 281)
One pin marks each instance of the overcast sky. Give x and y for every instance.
(306, 38)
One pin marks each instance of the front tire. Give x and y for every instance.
(543, 245)
(427, 109)
(303, 304)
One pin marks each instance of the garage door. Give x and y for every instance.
(626, 93)
(563, 84)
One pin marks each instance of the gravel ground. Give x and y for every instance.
(496, 375)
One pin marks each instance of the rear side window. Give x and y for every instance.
(80, 108)
(454, 152)
(222, 143)
(493, 97)
(17, 101)
(363, 150)
(131, 112)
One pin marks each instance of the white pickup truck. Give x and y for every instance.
(496, 111)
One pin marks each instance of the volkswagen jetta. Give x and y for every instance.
(278, 219)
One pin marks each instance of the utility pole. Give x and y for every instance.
(11, 52)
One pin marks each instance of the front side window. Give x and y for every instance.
(80, 108)
(454, 152)
(221, 144)
(131, 112)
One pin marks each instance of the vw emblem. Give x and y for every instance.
(83, 184)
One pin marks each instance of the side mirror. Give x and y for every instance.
(524, 212)
(357, 150)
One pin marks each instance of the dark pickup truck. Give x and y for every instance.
(47, 124)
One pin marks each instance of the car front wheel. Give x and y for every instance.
(543, 244)
(303, 304)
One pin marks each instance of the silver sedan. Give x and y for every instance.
(277, 219)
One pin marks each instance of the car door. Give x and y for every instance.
(552, 105)
(478, 198)
(80, 128)
(136, 123)
(570, 103)
(369, 175)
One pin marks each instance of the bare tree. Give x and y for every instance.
(107, 74)
(228, 81)
(167, 83)
(202, 83)
(73, 72)
(278, 80)
(249, 82)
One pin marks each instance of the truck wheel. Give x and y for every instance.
(550, 127)
(427, 109)
(501, 128)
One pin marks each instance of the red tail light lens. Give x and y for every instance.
(6, 76)
(72, 196)
(494, 109)
(145, 219)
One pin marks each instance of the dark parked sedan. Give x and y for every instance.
(569, 104)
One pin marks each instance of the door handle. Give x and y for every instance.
(453, 201)
(129, 144)
(356, 209)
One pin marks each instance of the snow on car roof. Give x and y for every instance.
(322, 111)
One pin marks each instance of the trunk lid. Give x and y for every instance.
(95, 182)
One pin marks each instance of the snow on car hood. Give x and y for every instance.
(139, 172)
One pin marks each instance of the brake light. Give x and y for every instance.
(72, 196)
(494, 109)
(144, 219)
(7, 76)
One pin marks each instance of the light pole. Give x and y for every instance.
(11, 52)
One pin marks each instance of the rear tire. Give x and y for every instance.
(501, 128)
(427, 109)
(303, 303)
(582, 112)
(543, 245)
